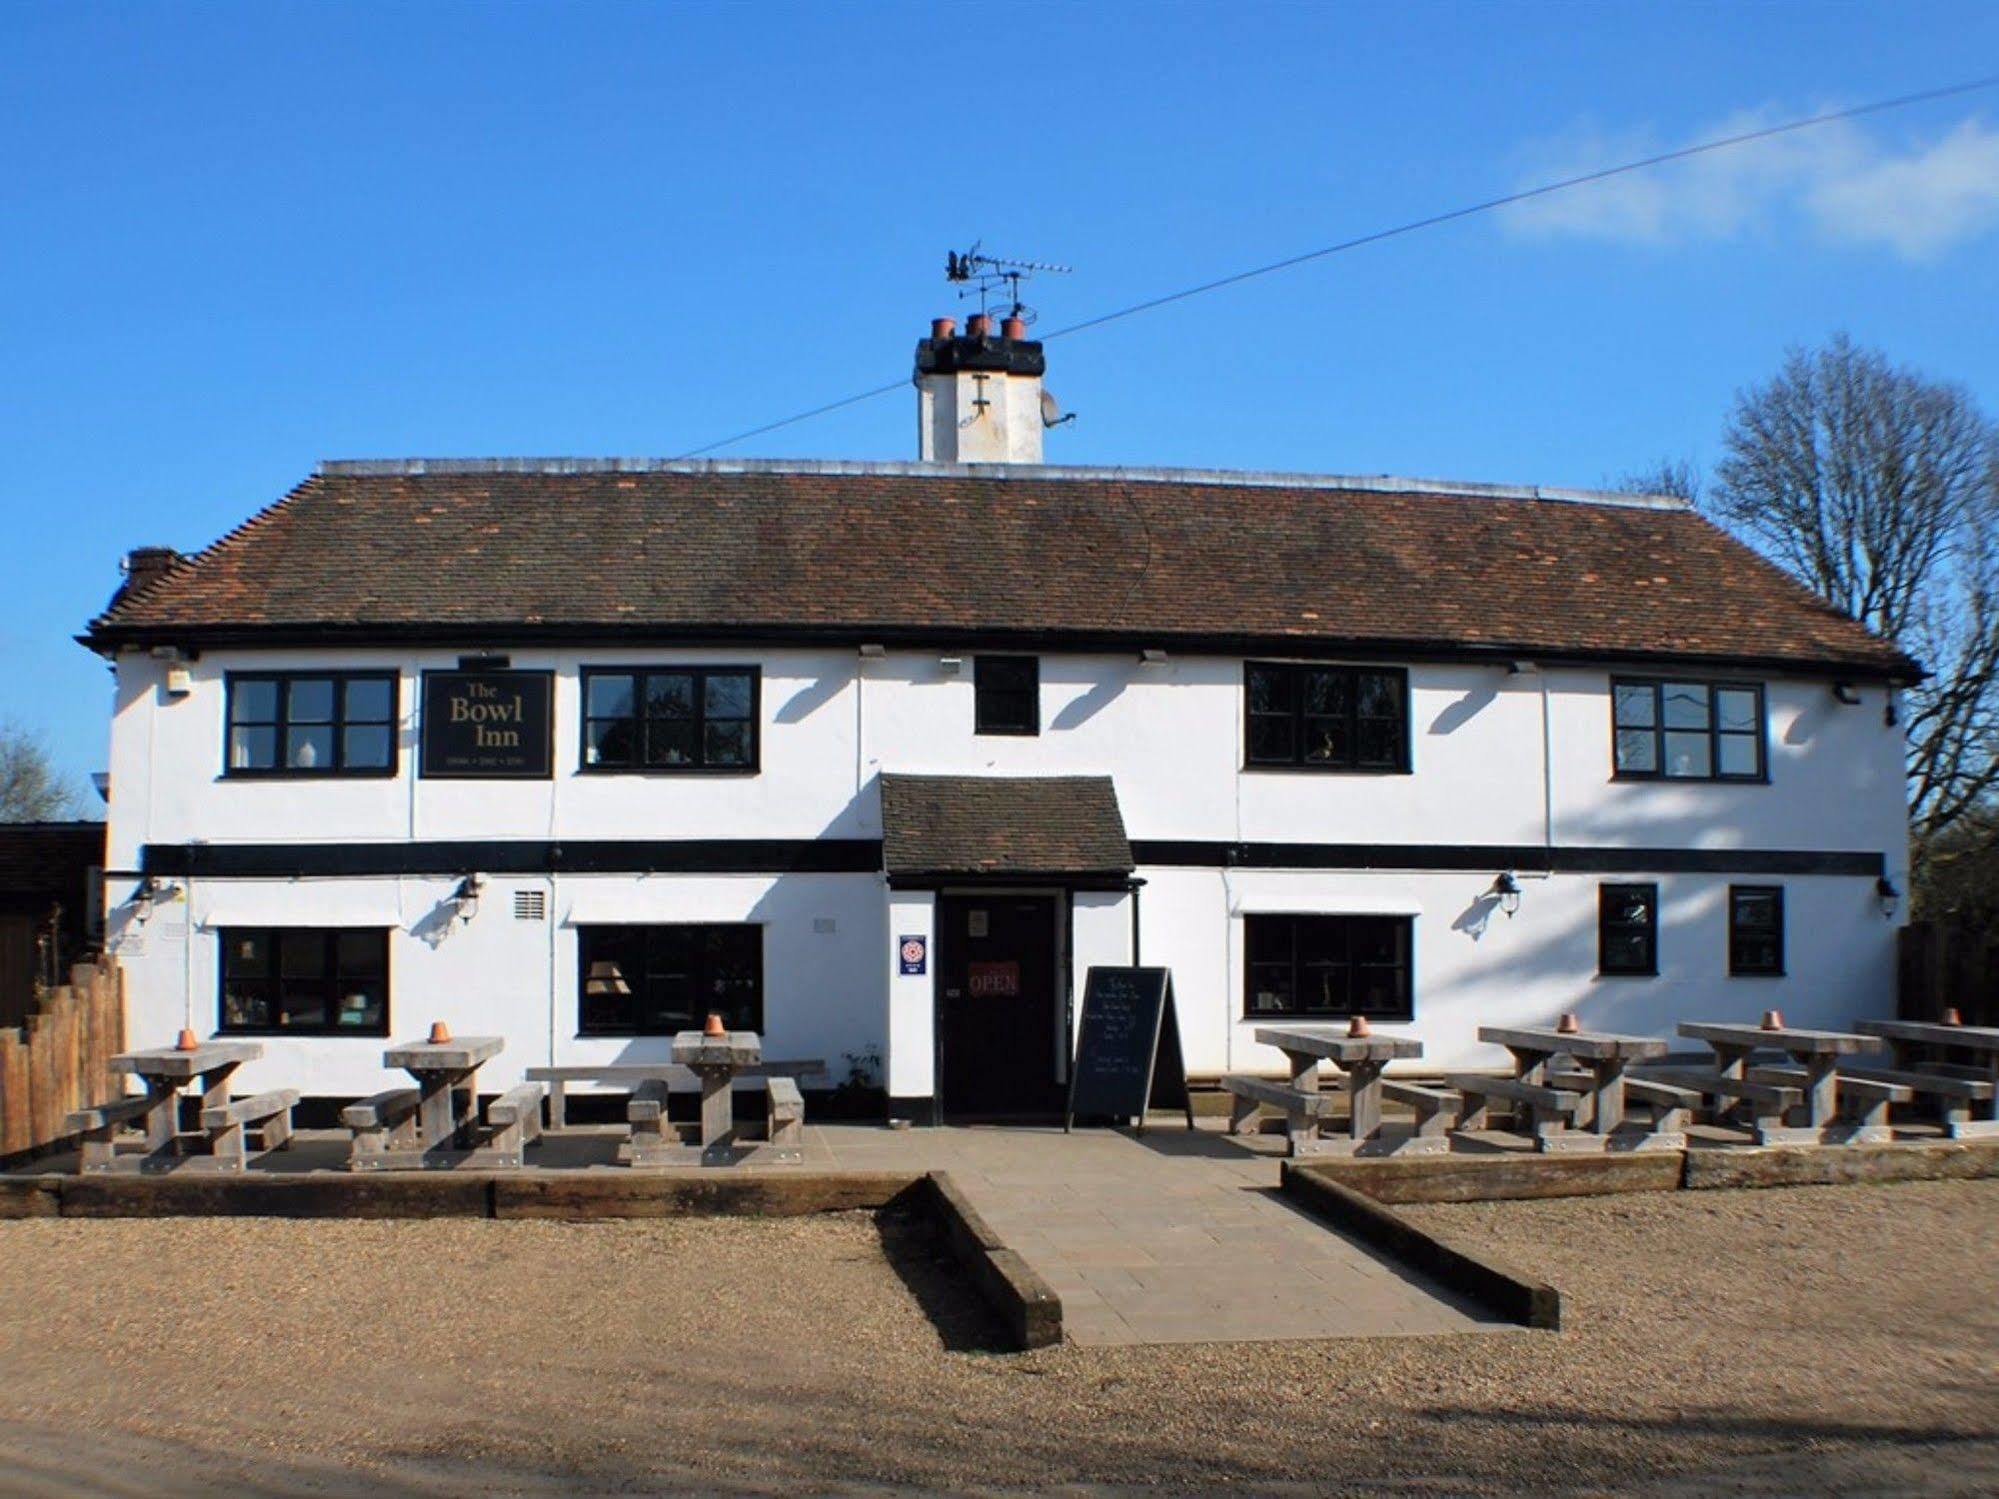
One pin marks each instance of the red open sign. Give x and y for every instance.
(993, 980)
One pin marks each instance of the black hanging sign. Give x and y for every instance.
(1128, 1056)
(488, 725)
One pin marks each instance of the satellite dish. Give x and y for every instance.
(1051, 413)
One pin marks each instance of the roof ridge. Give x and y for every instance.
(382, 468)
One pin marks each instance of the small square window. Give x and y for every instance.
(1627, 931)
(1006, 694)
(1756, 930)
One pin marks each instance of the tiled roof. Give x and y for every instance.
(900, 552)
(1002, 825)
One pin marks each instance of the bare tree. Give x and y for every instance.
(30, 788)
(1880, 489)
(1677, 478)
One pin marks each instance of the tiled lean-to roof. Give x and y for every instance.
(517, 549)
(965, 825)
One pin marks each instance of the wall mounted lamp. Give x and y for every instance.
(152, 891)
(1507, 888)
(1888, 895)
(466, 896)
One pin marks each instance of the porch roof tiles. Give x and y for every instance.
(1010, 825)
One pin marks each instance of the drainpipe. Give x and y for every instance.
(1134, 885)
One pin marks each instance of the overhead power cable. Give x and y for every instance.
(1878, 106)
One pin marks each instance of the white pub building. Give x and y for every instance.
(879, 758)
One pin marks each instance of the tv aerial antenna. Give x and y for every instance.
(980, 275)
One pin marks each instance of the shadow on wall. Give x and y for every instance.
(811, 697)
(1456, 715)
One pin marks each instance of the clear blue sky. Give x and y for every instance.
(242, 238)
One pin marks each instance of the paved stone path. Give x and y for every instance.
(1172, 1238)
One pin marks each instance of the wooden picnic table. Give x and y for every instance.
(715, 1061)
(629, 1075)
(1603, 1056)
(1361, 1058)
(1974, 1111)
(1816, 1054)
(165, 1070)
(446, 1074)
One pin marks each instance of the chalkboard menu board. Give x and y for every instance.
(480, 725)
(1128, 1052)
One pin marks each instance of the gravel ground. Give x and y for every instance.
(1805, 1341)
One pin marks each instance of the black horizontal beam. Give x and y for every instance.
(1574, 859)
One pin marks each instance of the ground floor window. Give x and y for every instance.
(1327, 965)
(1627, 930)
(305, 981)
(1756, 930)
(655, 980)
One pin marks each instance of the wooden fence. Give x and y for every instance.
(1944, 966)
(59, 1060)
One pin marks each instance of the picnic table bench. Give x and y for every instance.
(679, 1078)
(1815, 1057)
(654, 1142)
(1573, 1082)
(1361, 1057)
(1965, 1114)
(440, 1127)
(218, 1145)
(1766, 1101)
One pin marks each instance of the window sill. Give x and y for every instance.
(1759, 973)
(669, 770)
(303, 1033)
(389, 774)
(1282, 768)
(1324, 1017)
(1627, 973)
(1653, 778)
(1006, 733)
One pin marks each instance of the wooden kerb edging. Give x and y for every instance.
(1490, 1282)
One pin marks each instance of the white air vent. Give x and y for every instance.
(530, 905)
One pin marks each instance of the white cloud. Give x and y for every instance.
(1837, 181)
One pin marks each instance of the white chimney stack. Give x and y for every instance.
(978, 398)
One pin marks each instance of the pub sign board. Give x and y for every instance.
(488, 725)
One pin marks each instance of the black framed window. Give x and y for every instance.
(1627, 929)
(1756, 930)
(312, 724)
(670, 718)
(1007, 694)
(656, 980)
(1327, 966)
(1677, 730)
(304, 981)
(1326, 717)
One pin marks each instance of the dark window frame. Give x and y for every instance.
(647, 933)
(1715, 733)
(984, 695)
(1294, 921)
(641, 765)
(1739, 934)
(338, 724)
(330, 980)
(1605, 927)
(1296, 673)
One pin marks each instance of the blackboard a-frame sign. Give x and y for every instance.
(1128, 1056)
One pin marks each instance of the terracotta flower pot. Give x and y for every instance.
(1951, 1017)
(1773, 1020)
(1568, 1025)
(186, 1041)
(714, 1026)
(1358, 1026)
(439, 1033)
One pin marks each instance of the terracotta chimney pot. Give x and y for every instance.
(1014, 328)
(978, 325)
(1568, 1025)
(943, 327)
(1773, 1020)
(439, 1033)
(1358, 1027)
(186, 1041)
(714, 1027)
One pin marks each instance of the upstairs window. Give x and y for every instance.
(312, 724)
(657, 980)
(305, 981)
(1326, 717)
(1687, 731)
(1007, 694)
(670, 718)
(1322, 966)
(1627, 930)
(1756, 930)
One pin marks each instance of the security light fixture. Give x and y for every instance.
(1507, 888)
(871, 651)
(951, 666)
(466, 896)
(1888, 895)
(1152, 656)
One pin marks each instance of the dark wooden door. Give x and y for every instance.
(1000, 1018)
